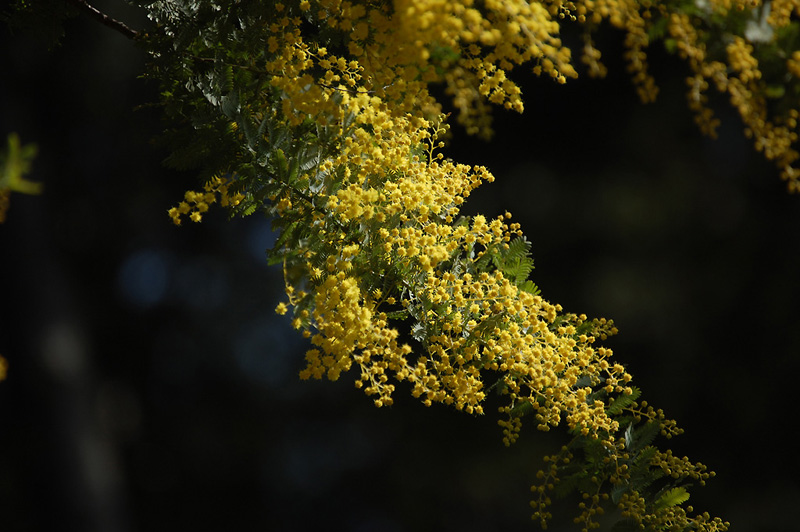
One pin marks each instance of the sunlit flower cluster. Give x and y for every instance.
(738, 74)
(391, 252)
(780, 11)
(195, 204)
(735, 72)
(383, 274)
(741, 60)
(404, 47)
(793, 64)
(621, 464)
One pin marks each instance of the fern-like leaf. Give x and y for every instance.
(671, 498)
(623, 401)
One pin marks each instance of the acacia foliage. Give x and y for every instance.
(319, 114)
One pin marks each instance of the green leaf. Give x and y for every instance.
(623, 401)
(397, 315)
(518, 263)
(230, 105)
(569, 483)
(286, 235)
(279, 159)
(774, 91)
(672, 498)
(618, 492)
(419, 332)
(658, 29)
(530, 287)
(640, 437)
(15, 163)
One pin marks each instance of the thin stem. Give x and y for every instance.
(105, 19)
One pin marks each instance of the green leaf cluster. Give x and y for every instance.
(513, 259)
(632, 474)
(208, 60)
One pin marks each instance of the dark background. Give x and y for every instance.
(151, 386)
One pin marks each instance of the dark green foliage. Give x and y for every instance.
(43, 19)
(632, 467)
(207, 63)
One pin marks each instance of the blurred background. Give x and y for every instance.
(151, 386)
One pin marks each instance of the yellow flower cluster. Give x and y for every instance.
(724, 6)
(619, 466)
(793, 64)
(389, 248)
(345, 323)
(404, 199)
(197, 203)
(738, 74)
(473, 323)
(671, 518)
(591, 58)
(374, 241)
(780, 12)
(740, 77)
(392, 52)
(741, 60)
(470, 49)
